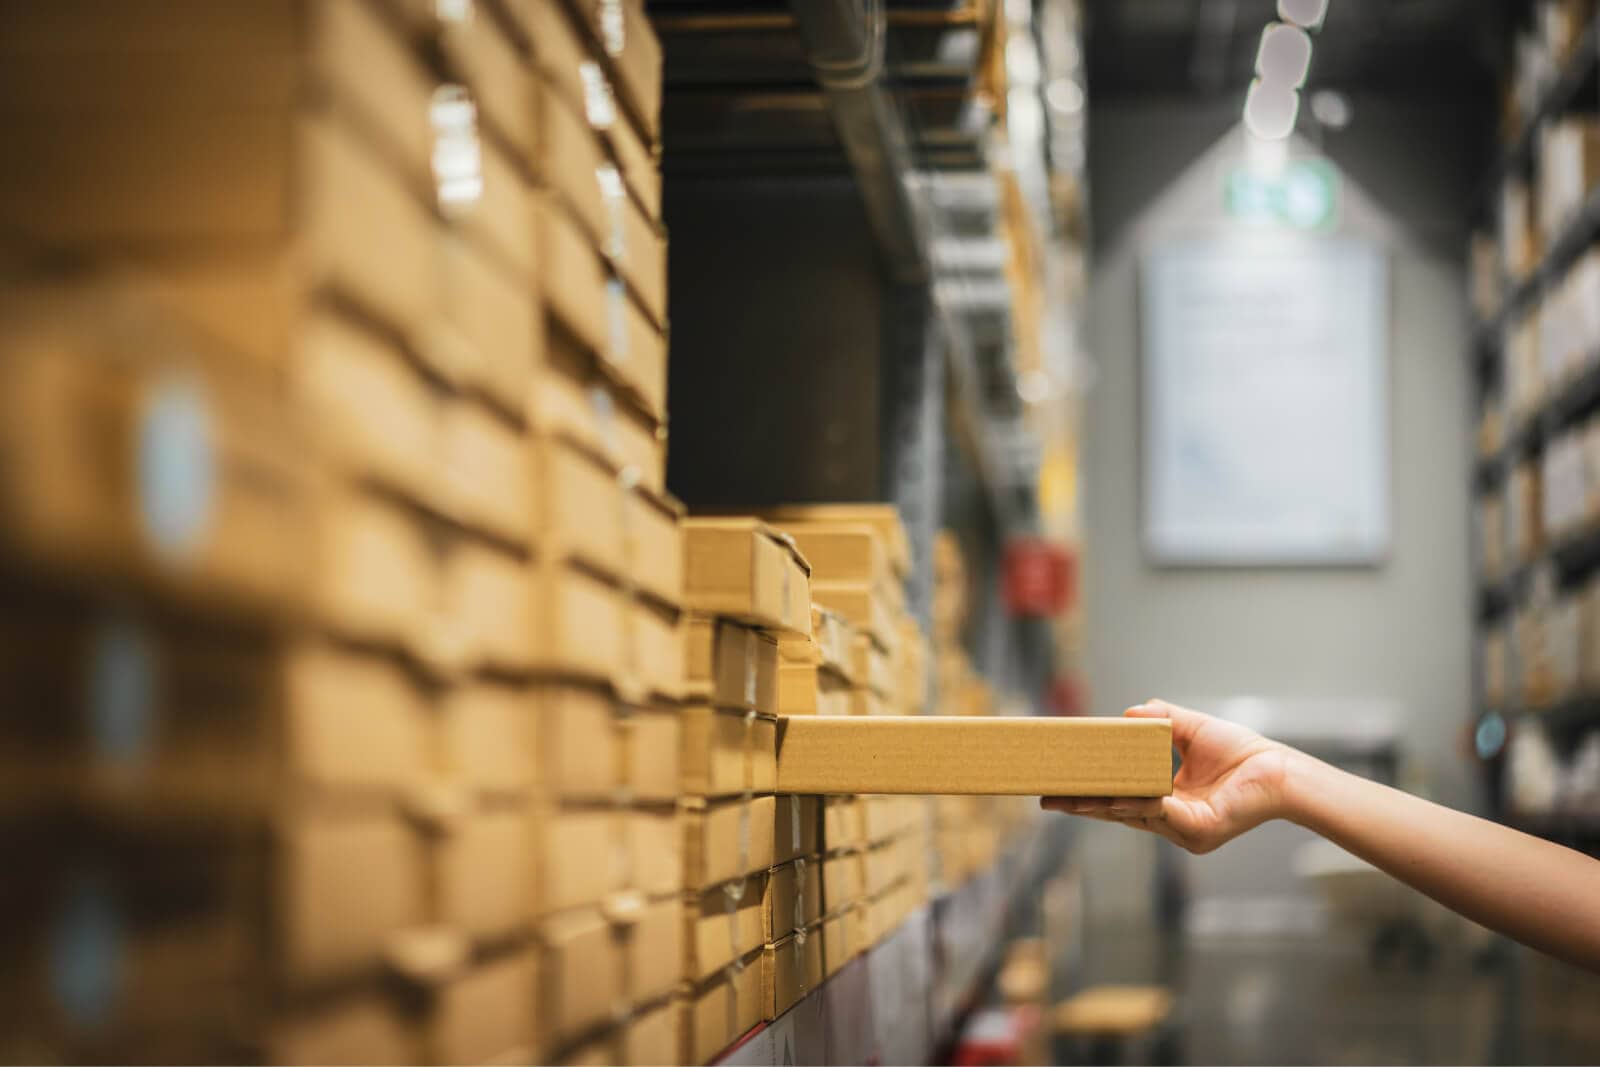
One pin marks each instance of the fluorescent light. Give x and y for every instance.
(1064, 95)
(1307, 13)
(1270, 110)
(1284, 56)
(1331, 108)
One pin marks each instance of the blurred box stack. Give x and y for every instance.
(374, 755)
(751, 877)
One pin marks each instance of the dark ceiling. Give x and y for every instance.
(1184, 47)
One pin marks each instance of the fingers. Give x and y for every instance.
(1119, 808)
(1185, 723)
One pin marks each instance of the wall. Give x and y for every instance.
(1395, 638)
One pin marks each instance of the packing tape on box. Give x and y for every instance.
(800, 898)
(454, 12)
(618, 353)
(613, 27)
(177, 469)
(750, 681)
(457, 155)
(615, 197)
(605, 415)
(599, 106)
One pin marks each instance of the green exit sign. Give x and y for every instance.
(1304, 195)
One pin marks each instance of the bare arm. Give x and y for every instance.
(1232, 780)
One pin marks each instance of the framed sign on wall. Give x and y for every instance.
(1265, 401)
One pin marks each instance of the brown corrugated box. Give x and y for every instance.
(654, 539)
(572, 397)
(727, 839)
(486, 469)
(873, 668)
(745, 570)
(885, 865)
(211, 502)
(1019, 756)
(885, 517)
(727, 751)
(657, 649)
(485, 873)
(366, 1027)
(583, 968)
(830, 644)
(487, 1014)
(487, 619)
(722, 1009)
(579, 505)
(723, 926)
(843, 880)
(804, 689)
(652, 1036)
(791, 898)
(866, 608)
(487, 54)
(653, 945)
(790, 969)
(843, 552)
(626, 37)
(843, 823)
(867, 702)
(799, 826)
(579, 622)
(371, 572)
(485, 335)
(655, 851)
(490, 734)
(730, 665)
(842, 940)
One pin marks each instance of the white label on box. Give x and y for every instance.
(176, 471)
(598, 106)
(457, 156)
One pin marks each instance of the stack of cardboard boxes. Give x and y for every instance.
(751, 878)
(354, 396)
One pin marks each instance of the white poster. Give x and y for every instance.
(1265, 401)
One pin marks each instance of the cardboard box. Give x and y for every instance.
(572, 397)
(629, 42)
(831, 644)
(487, 1015)
(656, 859)
(568, 160)
(851, 553)
(843, 880)
(579, 505)
(564, 57)
(886, 865)
(653, 1036)
(640, 166)
(488, 623)
(495, 214)
(583, 968)
(579, 624)
(372, 572)
(865, 607)
(592, 746)
(718, 1012)
(727, 752)
(724, 923)
(883, 817)
(581, 856)
(843, 823)
(792, 898)
(139, 449)
(842, 940)
(487, 54)
(491, 734)
(654, 539)
(653, 945)
(366, 1027)
(804, 689)
(1005, 756)
(799, 827)
(486, 333)
(348, 885)
(730, 665)
(873, 669)
(885, 517)
(487, 472)
(657, 649)
(486, 881)
(790, 969)
(653, 745)
(728, 839)
(867, 702)
(742, 569)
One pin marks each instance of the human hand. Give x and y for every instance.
(1231, 780)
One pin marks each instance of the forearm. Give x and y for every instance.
(1532, 890)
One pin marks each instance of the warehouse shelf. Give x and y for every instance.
(1575, 81)
(904, 999)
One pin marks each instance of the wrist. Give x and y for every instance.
(1304, 781)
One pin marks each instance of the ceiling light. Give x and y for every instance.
(1270, 110)
(1307, 13)
(1331, 108)
(1284, 56)
(1064, 95)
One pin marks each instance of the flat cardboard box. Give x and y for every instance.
(565, 57)
(842, 939)
(640, 165)
(843, 823)
(487, 55)
(366, 1027)
(652, 754)
(486, 332)
(888, 864)
(657, 649)
(867, 702)
(873, 668)
(843, 880)
(883, 516)
(655, 852)
(491, 736)
(579, 506)
(372, 573)
(792, 898)
(487, 472)
(592, 746)
(86, 372)
(883, 817)
(726, 752)
(852, 553)
(790, 969)
(653, 945)
(352, 723)
(572, 396)
(579, 624)
(219, 171)
(485, 874)
(728, 839)
(799, 827)
(730, 665)
(720, 1011)
(581, 855)
(498, 220)
(488, 1014)
(583, 968)
(654, 1036)
(488, 622)
(654, 537)
(864, 606)
(724, 923)
(568, 159)
(628, 40)
(745, 570)
(1002, 756)
(804, 689)
(348, 886)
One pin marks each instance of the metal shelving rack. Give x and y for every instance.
(824, 348)
(1576, 557)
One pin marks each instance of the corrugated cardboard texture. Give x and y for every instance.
(730, 665)
(975, 756)
(791, 969)
(745, 570)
